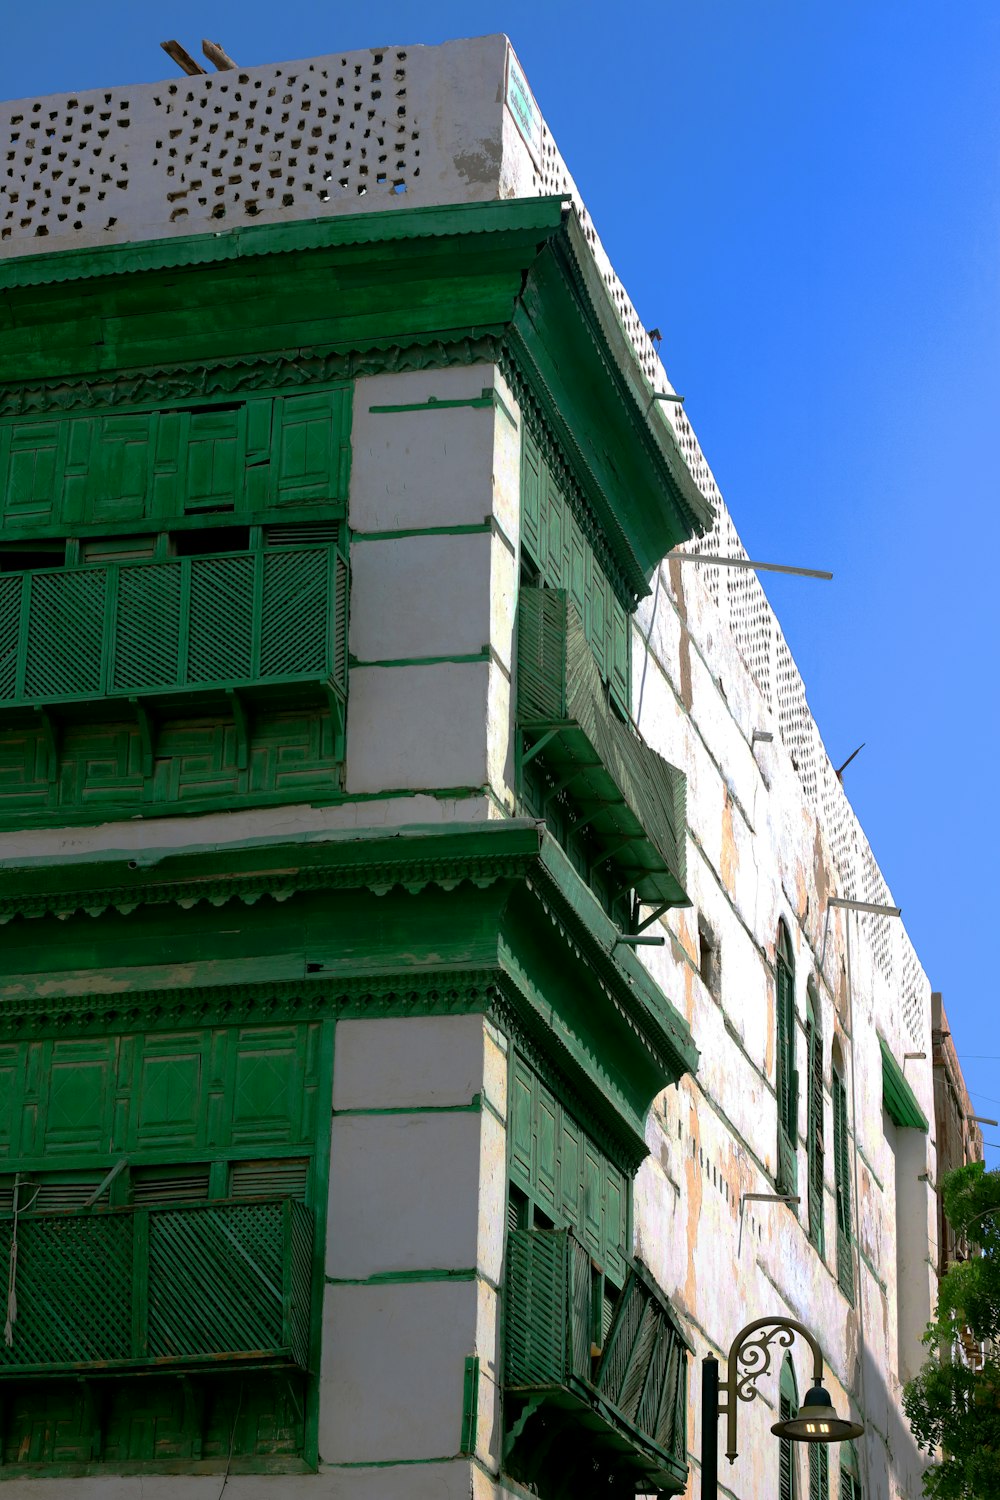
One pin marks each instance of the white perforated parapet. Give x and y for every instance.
(344, 133)
(367, 131)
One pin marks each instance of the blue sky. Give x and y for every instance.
(805, 198)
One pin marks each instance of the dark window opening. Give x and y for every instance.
(709, 959)
(199, 543)
(15, 559)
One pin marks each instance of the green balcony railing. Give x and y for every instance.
(122, 1288)
(634, 802)
(135, 629)
(627, 1402)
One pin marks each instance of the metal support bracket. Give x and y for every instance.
(538, 746)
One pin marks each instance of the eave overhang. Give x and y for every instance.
(521, 923)
(900, 1101)
(513, 279)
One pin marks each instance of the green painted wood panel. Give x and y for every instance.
(131, 466)
(173, 1094)
(552, 1159)
(100, 770)
(554, 541)
(152, 1421)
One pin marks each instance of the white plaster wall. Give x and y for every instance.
(757, 853)
(415, 1240)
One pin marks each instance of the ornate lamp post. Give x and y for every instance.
(749, 1358)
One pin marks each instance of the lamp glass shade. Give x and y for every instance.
(817, 1422)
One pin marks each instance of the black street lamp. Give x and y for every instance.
(749, 1358)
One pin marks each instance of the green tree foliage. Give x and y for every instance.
(954, 1402)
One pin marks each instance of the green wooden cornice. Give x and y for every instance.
(487, 917)
(266, 306)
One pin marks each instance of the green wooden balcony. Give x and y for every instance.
(627, 1403)
(632, 799)
(138, 630)
(203, 1284)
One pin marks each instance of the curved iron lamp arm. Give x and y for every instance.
(754, 1355)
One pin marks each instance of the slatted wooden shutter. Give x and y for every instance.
(787, 1080)
(841, 1164)
(815, 1124)
(819, 1472)
(788, 1405)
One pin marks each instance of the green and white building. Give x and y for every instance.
(351, 721)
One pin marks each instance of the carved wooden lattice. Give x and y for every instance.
(205, 1282)
(83, 633)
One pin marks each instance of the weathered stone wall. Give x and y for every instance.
(758, 853)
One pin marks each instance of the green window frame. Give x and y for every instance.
(788, 1406)
(842, 1185)
(814, 1112)
(850, 1473)
(787, 1082)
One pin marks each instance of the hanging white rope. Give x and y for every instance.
(8, 1327)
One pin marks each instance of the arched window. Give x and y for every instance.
(788, 1407)
(850, 1473)
(814, 1113)
(788, 1079)
(819, 1471)
(842, 1178)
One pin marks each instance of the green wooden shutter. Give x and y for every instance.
(216, 441)
(119, 473)
(307, 446)
(32, 469)
(819, 1472)
(11, 589)
(841, 1162)
(787, 1080)
(221, 616)
(788, 1405)
(147, 627)
(815, 1124)
(66, 634)
(850, 1474)
(295, 634)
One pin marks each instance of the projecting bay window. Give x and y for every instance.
(164, 1194)
(595, 1363)
(173, 605)
(617, 808)
(788, 1078)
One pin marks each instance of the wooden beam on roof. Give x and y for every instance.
(217, 55)
(183, 59)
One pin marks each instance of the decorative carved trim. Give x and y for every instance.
(436, 992)
(278, 885)
(244, 374)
